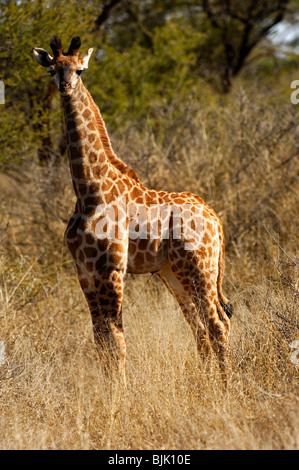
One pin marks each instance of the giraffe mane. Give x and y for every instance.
(116, 162)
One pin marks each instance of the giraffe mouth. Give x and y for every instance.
(65, 90)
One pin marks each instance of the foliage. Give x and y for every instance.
(27, 119)
(149, 55)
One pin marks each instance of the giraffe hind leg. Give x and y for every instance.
(227, 307)
(201, 307)
(188, 308)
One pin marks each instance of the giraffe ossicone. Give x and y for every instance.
(119, 226)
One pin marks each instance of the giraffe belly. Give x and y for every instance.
(145, 256)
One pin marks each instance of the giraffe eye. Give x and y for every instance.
(79, 72)
(51, 72)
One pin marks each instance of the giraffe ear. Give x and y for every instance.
(85, 58)
(43, 58)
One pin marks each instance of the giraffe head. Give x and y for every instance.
(64, 67)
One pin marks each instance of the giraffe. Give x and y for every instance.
(120, 226)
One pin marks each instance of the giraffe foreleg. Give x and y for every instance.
(110, 342)
(105, 305)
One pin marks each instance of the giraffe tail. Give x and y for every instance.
(224, 302)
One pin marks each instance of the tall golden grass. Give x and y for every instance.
(241, 158)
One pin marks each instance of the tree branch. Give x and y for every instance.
(210, 14)
(247, 45)
(105, 13)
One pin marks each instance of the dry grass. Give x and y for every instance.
(53, 394)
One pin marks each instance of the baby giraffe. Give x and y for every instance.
(119, 226)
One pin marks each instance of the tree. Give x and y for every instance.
(29, 92)
(240, 26)
(232, 28)
(149, 54)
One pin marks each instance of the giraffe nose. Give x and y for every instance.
(64, 86)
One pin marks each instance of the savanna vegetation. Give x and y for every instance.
(196, 97)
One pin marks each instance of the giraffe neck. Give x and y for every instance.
(92, 160)
(89, 163)
(113, 159)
